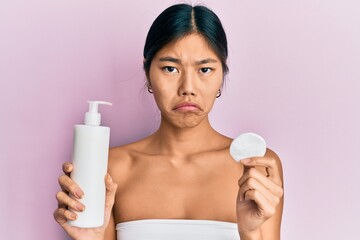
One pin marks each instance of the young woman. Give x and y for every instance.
(181, 182)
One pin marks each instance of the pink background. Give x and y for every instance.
(294, 79)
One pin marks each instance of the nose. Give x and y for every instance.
(187, 86)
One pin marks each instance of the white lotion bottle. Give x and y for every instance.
(90, 158)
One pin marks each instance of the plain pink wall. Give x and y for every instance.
(294, 78)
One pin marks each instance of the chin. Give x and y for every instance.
(184, 120)
(187, 121)
(186, 124)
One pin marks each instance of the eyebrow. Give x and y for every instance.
(176, 60)
(170, 59)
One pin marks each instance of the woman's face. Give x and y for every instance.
(185, 76)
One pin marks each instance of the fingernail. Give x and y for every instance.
(73, 216)
(79, 193)
(67, 168)
(79, 207)
(247, 160)
(109, 178)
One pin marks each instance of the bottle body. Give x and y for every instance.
(90, 158)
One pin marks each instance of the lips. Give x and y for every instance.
(187, 106)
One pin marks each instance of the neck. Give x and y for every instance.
(184, 141)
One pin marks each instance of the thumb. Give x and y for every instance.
(246, 167)
(111, 188)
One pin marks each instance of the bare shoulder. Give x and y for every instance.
(270, 153)
(118, 163)
(121, 160)
(119, 156)
(272, 156)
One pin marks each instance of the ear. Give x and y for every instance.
(148, 82)
(146, 73)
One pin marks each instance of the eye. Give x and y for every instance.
(170, 69)
(205, 70)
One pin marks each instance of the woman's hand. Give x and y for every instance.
(62, 214)
(258, 195)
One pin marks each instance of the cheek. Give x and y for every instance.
(164, 86)
(163, 94)
(215, 85)
(210, 98)
(212, 91)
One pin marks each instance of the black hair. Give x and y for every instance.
(181, 20)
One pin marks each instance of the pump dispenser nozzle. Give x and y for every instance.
(93, 117)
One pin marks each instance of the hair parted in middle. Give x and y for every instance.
(180, 20)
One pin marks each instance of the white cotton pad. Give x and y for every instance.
(247, 145)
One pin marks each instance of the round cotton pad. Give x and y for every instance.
(247, 145)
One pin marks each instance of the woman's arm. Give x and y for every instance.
(271, 228)
(62, 214)
(110, 232)
(260, 198)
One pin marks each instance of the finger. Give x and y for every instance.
(67, 168)
(111, 188)
(65, 201)
(266, 210)
(253, 184)
(273, 187)
(62, 215)
(272, 168)
(246, 167)
(68, 185)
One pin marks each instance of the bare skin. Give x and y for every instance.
(184, 170)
